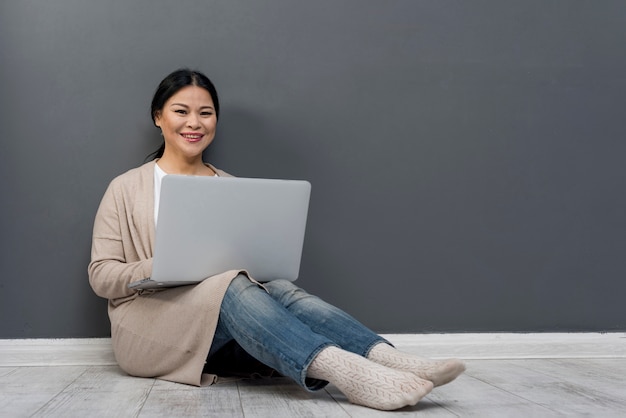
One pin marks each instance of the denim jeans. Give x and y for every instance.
(284, 327)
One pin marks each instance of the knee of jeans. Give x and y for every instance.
(286, 291)
(279, 285)
(239, 284)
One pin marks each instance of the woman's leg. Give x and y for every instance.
(268, 332)
(273, 335)
(324, 318)
(351, 335)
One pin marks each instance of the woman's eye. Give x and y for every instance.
(180, 111)
(206, 113)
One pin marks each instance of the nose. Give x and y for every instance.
(193, 121)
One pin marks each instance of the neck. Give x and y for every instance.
(195, 167)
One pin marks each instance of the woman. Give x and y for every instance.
(229, 322)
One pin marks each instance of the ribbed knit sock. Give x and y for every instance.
(439, 372)
(367, 383)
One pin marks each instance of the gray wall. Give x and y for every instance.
(467, 157)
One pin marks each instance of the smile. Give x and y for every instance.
(192, 137)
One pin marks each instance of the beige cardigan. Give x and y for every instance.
(166, 333)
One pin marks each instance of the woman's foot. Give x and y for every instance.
(367, 383)
(439, 372)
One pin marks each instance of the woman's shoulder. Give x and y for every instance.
(135, 177)
(136, 173)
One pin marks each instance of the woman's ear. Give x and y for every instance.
(157, 119)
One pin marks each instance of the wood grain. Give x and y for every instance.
(489, 388)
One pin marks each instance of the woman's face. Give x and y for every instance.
(188, 122)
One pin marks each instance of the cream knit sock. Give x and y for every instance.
(367, 383)
(439, 372)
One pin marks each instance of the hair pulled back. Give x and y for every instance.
(170, 86)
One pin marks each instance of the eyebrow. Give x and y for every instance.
(184, 105)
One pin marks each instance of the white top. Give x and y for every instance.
(158, 176)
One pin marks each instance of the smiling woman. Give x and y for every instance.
(185, 107)
(188, 123)
(229, 323)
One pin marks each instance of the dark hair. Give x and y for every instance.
(170, 86)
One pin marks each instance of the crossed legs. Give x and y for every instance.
(313, 342)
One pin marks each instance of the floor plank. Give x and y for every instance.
(469, 396)
(611, 371)
(167, 399)
(511, 388)
(6, 370)
(282, 397)
(99, 391)
(600, 380)
(556, 388)
(425, 408)
(24, 390)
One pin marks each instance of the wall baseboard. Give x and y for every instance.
(56, 352)
(513, 345)
(97, 351)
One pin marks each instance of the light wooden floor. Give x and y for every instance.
(500, 388)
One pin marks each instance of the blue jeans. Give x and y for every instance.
(285, 327)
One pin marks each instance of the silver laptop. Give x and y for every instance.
(208, 225)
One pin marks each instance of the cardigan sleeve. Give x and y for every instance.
(113, 266)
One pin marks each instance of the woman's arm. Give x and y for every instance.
(110, 270)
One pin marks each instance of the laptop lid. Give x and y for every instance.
(208, 225)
